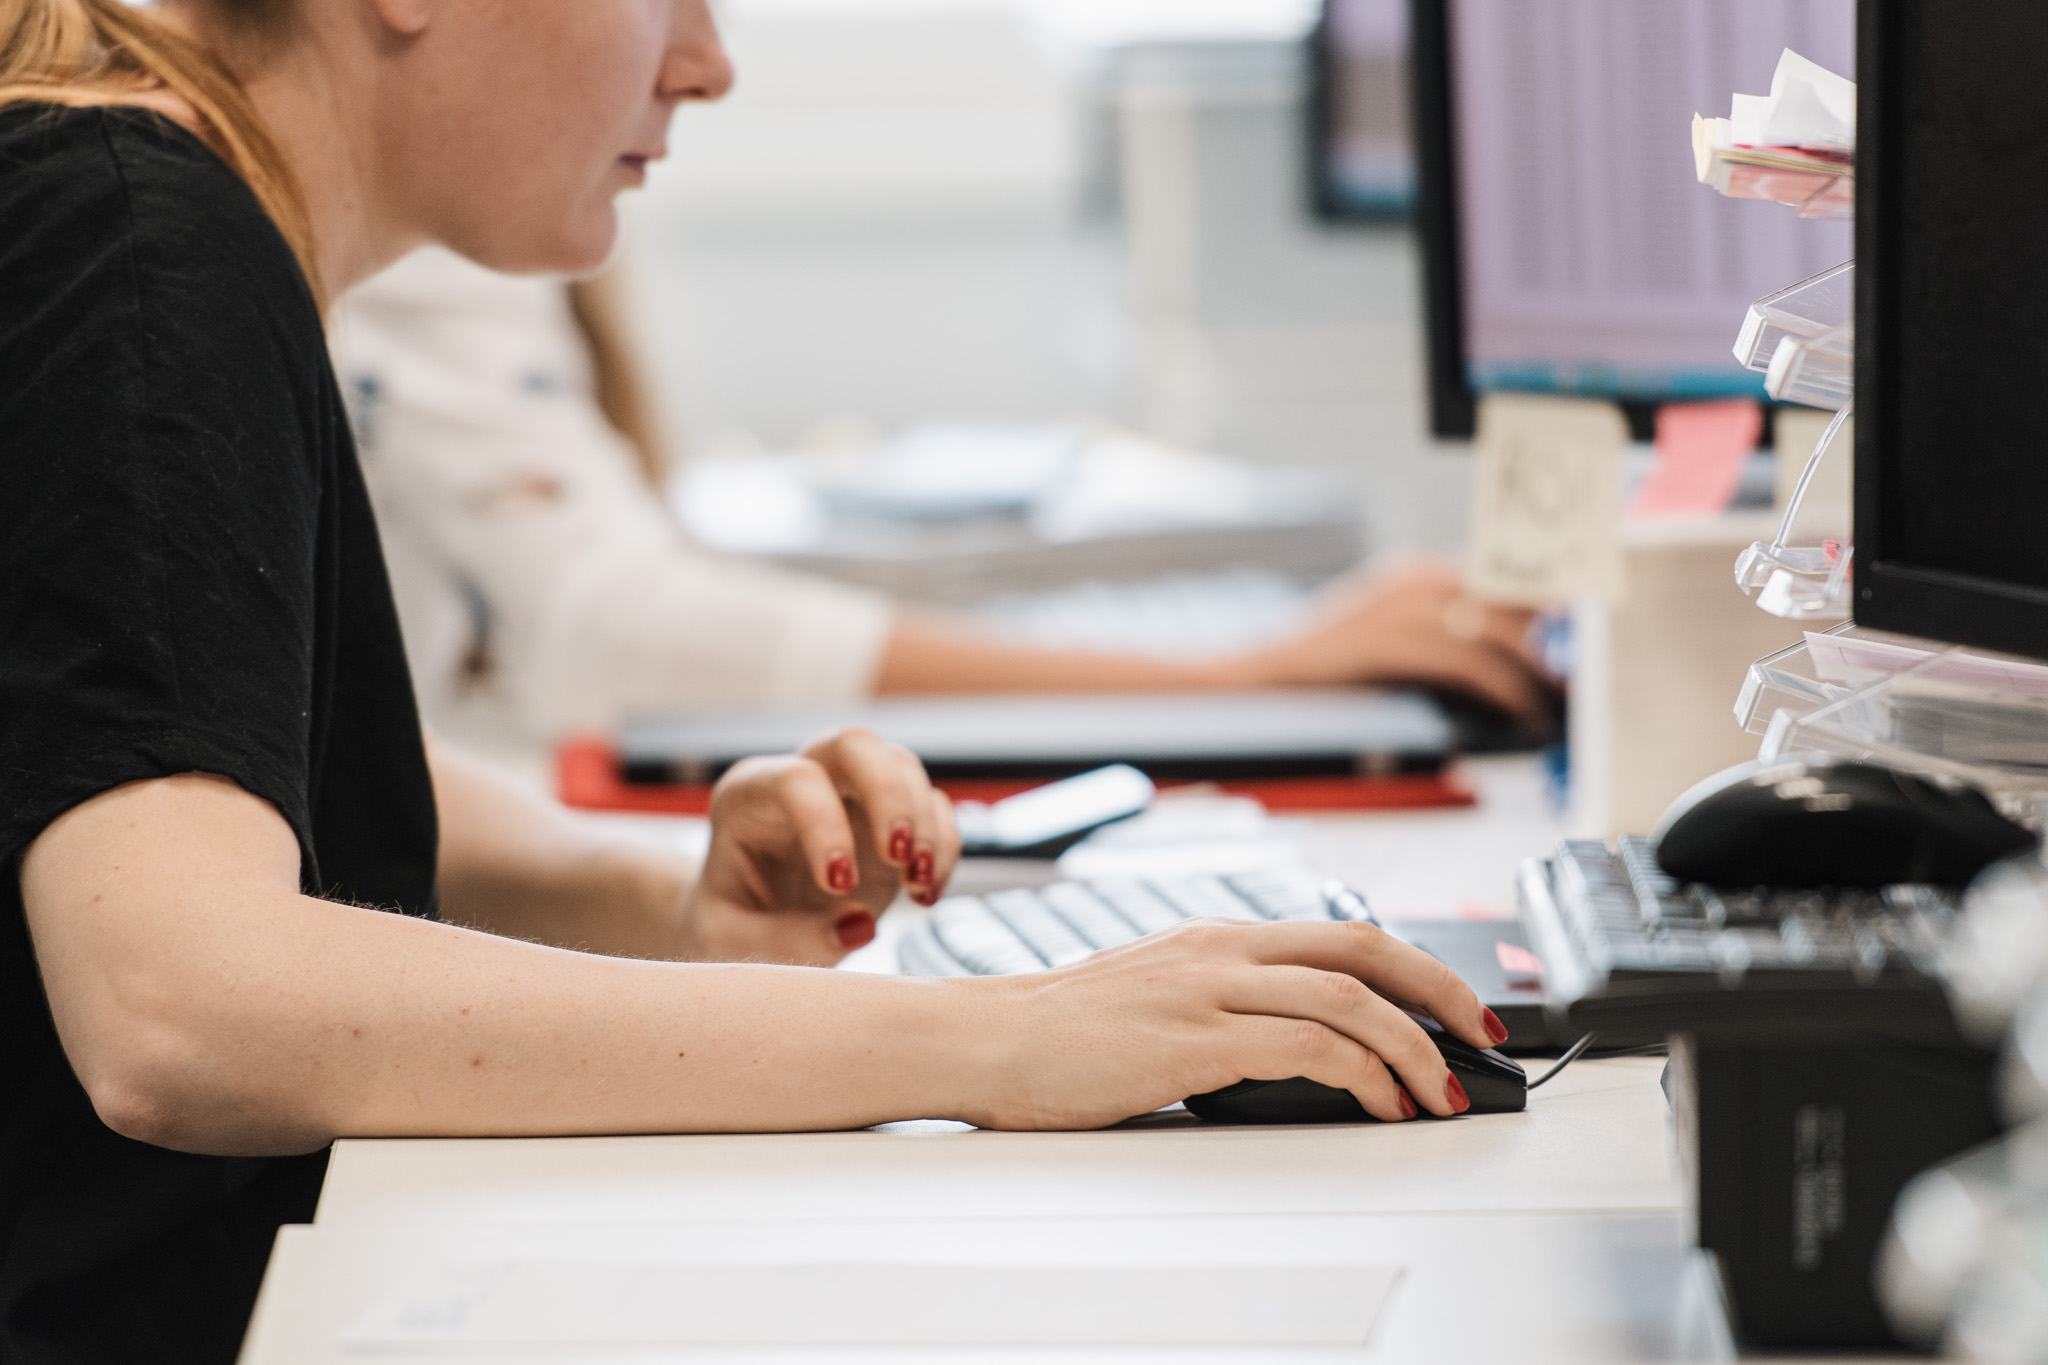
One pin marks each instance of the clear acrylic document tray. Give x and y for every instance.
(1941, 710)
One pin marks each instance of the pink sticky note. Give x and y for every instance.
(1516, 960)
(1701, 448)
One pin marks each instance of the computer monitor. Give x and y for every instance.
(1361, 160)
(1567, 246)
(1952, 322)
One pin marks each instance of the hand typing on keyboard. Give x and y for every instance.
(1209, 1002)
(808, 849)
(1136, 994)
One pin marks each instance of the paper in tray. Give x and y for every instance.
(1796, 145)
(1916, 705)
(1861, 660)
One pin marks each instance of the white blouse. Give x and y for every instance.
(538, 577)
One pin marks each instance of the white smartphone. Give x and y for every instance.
(1046, 821)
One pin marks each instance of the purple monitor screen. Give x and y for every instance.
(1592, 259)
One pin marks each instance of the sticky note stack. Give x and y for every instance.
(1796, 145)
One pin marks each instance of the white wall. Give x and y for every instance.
(880, 220)
(908, 209)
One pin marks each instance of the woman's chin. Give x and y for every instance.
(587, 254)
(579, 248)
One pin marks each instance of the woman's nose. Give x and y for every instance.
(695, 66)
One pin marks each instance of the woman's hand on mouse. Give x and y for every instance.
(808, 849)
(1213, 1002)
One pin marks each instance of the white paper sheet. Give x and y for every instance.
(1860, 662)
(485, 1304)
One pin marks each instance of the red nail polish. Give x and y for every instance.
(839, 873)
(1407, 1101)
(921, 866)
(1495, 1029)
(899, 844)
(1455, 1093)
(856, 931)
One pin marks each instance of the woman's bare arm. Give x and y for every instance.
(514, 864)
(207, 1006)
(1411, 626)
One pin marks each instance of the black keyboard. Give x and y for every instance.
(1029, 930)
(1635, 955)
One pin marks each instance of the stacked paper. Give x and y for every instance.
(1796, 145)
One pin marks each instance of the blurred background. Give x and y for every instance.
(1027, 211)
(1124, 326)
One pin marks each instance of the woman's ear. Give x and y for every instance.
(406, 17)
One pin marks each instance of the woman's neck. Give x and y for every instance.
(314, 102)
(308, 115)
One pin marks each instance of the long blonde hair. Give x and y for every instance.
(622, 396)
(91, 52)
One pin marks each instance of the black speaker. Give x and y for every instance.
(1795, 1156)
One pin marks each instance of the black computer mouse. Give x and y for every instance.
(1813, 822)
(1495, 1084)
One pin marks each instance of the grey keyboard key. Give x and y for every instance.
(1343, 903)
(982, 942)
(1142, 907)
(1046, 933)
(921, 954)
(1280, 894)
(1088, 915)
(1197, 896)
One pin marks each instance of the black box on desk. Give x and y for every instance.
(1794, 1154)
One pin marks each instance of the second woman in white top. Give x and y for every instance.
(535, 561)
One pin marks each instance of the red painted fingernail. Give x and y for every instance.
(899, 844)
(921, 866)
(856, 931)
(839, 873)
(1455, 1093)
(1407, 1101)
(1495, 1029)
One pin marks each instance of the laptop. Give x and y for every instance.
(1173, 736)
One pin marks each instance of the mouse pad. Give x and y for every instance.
(1495, 961)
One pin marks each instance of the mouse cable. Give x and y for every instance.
(1571, 1054)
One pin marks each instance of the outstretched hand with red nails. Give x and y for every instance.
(808, 849)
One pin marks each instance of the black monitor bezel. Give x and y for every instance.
(1892, 594)
(1453, 407)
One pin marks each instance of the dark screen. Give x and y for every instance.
(1953, 377)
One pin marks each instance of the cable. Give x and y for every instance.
(1571, 1054)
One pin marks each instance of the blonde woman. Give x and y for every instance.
(247, 909)
(543, 587)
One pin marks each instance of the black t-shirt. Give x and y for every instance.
(190, 581)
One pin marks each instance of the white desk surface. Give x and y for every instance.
(1596, 1139)
(1550, 1235)
(1567, 1214)
(1582, 1288)
(1445, 864)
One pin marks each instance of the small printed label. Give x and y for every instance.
(1820, 1198)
